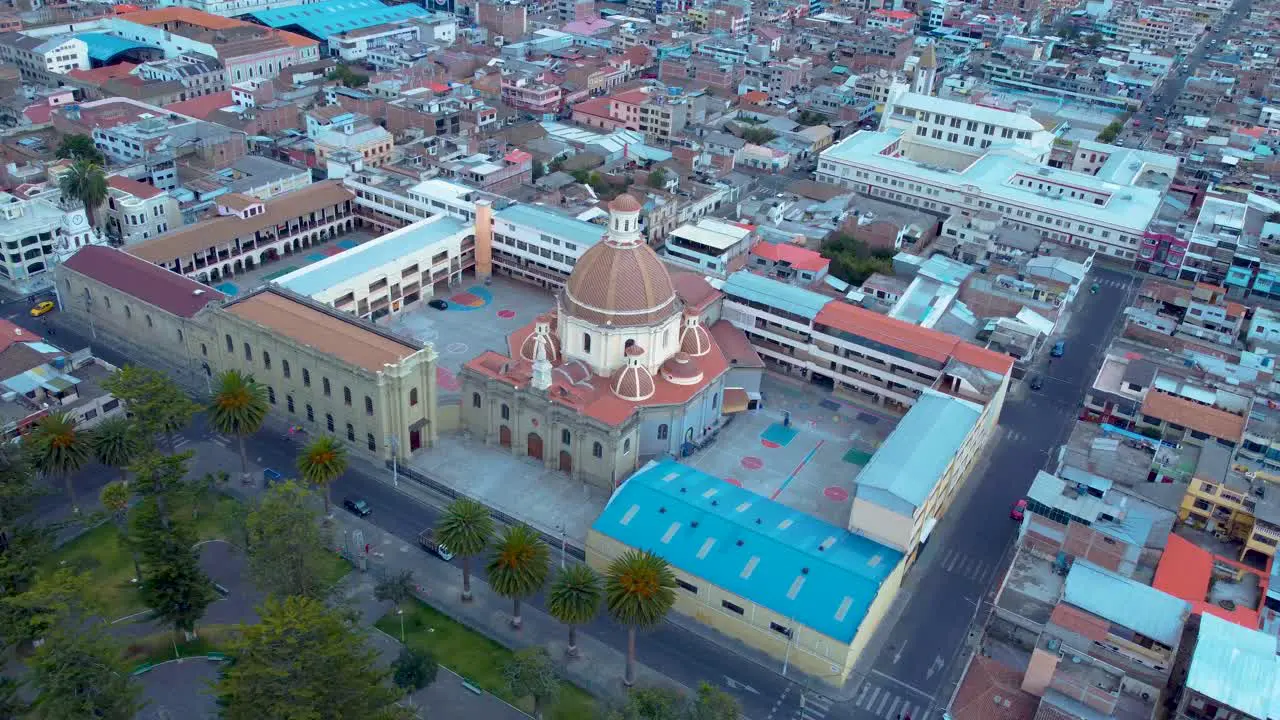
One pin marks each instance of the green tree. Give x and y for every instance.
(530, 673)
(538, 170)
(321, 462)
(59, 448)
(758, 135)
(466, 530)
(1109, 133)
(286, 555)
(414, 669)
(173, 585)
(303, 661)
(158, 476)
(658, 178)
(239, 408)
(157, 404)
(26, 545)
(63, 597)
(80, 147)
(396, 588)
(574, 599)
(712, 703)
(852, 260)
(11, 702)
(518, 566)
(345, 75)
(115, 499)
(639, 591)
(116, 444)
(85, 181)
(78, 673)
(810, 118)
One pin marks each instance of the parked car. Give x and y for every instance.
(357, 506)
(1018, 510)
(1059, 349)
(42, 308)
(427, 540)
(1037, 382)
(438, 304)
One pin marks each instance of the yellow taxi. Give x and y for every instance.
(42, 308)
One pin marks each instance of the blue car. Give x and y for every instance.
(1059, 349)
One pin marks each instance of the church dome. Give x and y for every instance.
(681, 370)
(621, 282)
(633, 381)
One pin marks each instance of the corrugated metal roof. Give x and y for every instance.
(780, 295)
(559, 225)
(1236, 666)
(337, 16)
(1126, 602)
(104, 48)
(751, 546)
(912, 459)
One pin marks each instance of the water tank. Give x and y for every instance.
(60, 362)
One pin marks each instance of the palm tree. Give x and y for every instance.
(465, 529)
(519, 566)
(58, 447)
(85, 181)
(322, 462)
(574, 600)
(239, 408)
(639, 591)
(116, 443)
(115, 498)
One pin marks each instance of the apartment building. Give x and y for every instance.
(356, 45)
(711, 246)
(199, 75)
(37, 229)
(136, 211)
(531, 94)
(40, 379)
(489, 173)
(1234, 498)
(250, 232)
(366, 140)
(43, 59)
(394, 272)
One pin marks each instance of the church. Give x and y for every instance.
(633, 363)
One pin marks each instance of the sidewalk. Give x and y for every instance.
(598, 668)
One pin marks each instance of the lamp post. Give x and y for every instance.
(395, 462)
(400, 612)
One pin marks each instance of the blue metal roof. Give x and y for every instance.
(1127, 602)
(104, 48)
(581, 233)
(1236, 666)
(905, 469)
(820, 575)
(322, 19)
(776, 294)
(338, 269)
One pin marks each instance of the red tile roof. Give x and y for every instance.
(1214, 421)
(798, 257)
(1186, 571)
(10, 334)
(202, 107)
(1080, 622)
(754, 97)
(150, 283)
(925, 342)
(133, 187)
(103, 74)
(991, 690)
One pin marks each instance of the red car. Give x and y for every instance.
(1018, 510)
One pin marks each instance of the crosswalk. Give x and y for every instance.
(883, 700)
(958, 563)
(1012, 435)
(1112, 283)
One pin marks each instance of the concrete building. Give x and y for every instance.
(531, 94)
(710, 246)
(40, 59)
(1232, 674)
(199, 75)
(371, 142)
(778, 580)
(356, 45)
(136, 211)
(36, 230)
(331, 373)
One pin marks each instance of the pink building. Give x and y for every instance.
(528, 93)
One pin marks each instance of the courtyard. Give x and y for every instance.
(245, 282)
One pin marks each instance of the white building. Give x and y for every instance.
(231, 8)
(36, 231)
(136, 211)
(355, 45)
(38, 56)
(949, 158)
(712, 246)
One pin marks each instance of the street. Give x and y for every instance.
(918, 664)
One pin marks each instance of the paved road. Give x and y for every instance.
(914, 671)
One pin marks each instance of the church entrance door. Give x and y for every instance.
(504, 436)
(566, 462)
(535, 446)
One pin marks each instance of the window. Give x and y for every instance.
(780, 629)
(368, 405)
(687, 587)
(373, 445)
(715, 402)
(325, 382)
(248, 352)
(306, 377)
(328, 421)
(230, 345)
(565, 436)
(289, 402)
(346, 396)
(506, 412)
(731, 607)
(597, 450)
(149, 323)
(311, 415)
(662, 431)
(266, 359)
(475, 400)
(586, 342)
(413, 396)
(626, 446)
(351, 433)
(271, 394)
(284, 365)
(204, 350)
(128, 313)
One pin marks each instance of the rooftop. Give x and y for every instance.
(1194, 415)
(789, 298)
(905, 469)
(1127, 602)
(1212, 584)
(579, 232)
(794, 564)
(104, 48)
(334, 271)
(167, 290)
(1236, 667)
(331, 17)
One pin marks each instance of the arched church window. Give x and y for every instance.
(586, 342)
(662, 431)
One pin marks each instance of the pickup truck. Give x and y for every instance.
(427, 539)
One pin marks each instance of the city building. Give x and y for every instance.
(42, 60)
(37, 230)
(199, 75)
(710, 246)
(1232, 674)
(529, 93)
(367, 140)
(136, 211)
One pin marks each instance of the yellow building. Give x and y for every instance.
(1233, 501)
(808, 593)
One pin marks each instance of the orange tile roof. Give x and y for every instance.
(754, 96)
(799, 258)
(1080, 622)
(202, 107)
(992, 690)
(925, 342)
(1211, 420)
(133, 187)
(1186, 571)
(187, 15)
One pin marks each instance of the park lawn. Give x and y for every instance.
(168, 645)
(478, 659)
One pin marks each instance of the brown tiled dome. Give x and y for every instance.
(633, 381)
(624, 203)
(694, 339)
(681, 370)
(620, 284)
